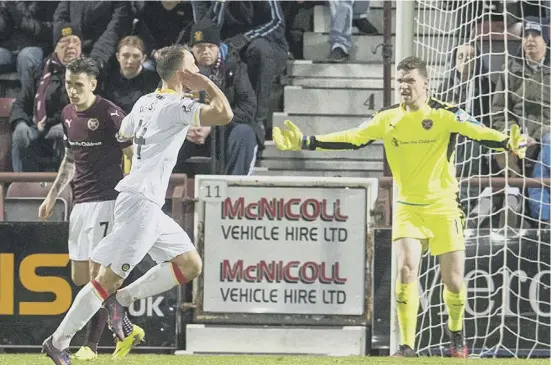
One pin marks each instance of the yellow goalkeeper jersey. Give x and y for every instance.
(419, 146)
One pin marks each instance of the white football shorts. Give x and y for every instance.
(88, 224)
(140, 228)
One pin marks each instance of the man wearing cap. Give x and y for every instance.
(257, 30)
(240, 138)
(36, 113)
(528, 97)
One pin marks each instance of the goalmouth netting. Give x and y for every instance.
(482, 57)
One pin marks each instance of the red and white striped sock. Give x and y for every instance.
(87, 302)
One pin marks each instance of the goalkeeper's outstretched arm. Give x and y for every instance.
(351, 139)
(466, 125)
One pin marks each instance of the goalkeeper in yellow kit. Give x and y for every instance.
(419, 137)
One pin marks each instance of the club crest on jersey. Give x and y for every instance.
(427, 124)
(93, 124)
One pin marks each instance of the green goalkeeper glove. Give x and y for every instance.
(517, 142)
(288, 139)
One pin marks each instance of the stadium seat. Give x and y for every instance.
(23, 199)
(5, 134)
(9, 85)
(183, 212)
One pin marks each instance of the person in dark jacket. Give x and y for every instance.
(176, 16)
(128, 80)
(469, 87)
(36, 113)
(236, 143)
(25, 35)
(257, 30)
(102, 25)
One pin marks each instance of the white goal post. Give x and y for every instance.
(508, 266)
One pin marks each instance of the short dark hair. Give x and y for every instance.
(84, 65)
(169, 60)
(413, 63)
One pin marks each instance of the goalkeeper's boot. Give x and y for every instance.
(85, 353)
(59, 357)
(405, 351)
(123, 347)
(458, 346)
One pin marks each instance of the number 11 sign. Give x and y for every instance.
(213, 190)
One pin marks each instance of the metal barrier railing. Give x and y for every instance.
(179, 192)
(385, 183)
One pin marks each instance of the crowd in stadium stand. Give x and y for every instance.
(521, 95)
(243, 46)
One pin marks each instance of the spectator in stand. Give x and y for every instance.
(256, 29)
(528, 93)
(223, 66)
(25, 35)
(102, 25)
(468, 87)
(161, 24)
(128, 80)
(528, 96)
(36, 113)
(344, 15)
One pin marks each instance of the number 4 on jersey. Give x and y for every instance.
(139, 139)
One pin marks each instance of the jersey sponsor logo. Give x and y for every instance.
(398, 143)
(93, 124)
(84, 144)
(427, 124)
(68, 122)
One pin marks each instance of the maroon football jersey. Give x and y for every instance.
(91, 136)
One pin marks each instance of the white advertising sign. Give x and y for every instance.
(289, 250)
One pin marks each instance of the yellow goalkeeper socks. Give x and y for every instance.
(407, 305)
(455, 303)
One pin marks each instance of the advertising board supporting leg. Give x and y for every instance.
(330, 341)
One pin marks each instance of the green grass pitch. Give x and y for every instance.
(266, 360)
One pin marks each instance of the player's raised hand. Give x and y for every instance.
(194, 81)
(287, 139)
(46, 208)
(517, 142)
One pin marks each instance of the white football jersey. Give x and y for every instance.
(158, 123)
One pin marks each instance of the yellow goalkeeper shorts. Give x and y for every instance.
(440, 225)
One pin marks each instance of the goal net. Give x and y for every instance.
(481, 58)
